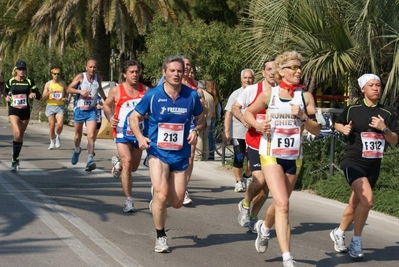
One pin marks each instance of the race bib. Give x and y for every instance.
(99, 116)
(19, 101)
(129, 132)
(286, 143)
(56, 95)
(86, 102)
(373, 145)
(170, 136)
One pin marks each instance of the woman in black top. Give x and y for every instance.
(369, 126)
(19, 90)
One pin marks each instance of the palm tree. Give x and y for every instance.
(95, 21)
(340, 39)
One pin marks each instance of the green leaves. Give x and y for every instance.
(214, 49)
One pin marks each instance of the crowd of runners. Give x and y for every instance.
(174, 120)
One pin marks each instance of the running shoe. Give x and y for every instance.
(187, 200)
(339, 241)
(14, 165)
(243, 215)
(289, 263)
(262, 241)
(252, 223)
(90, 166)
(75, 156)
(161, 244)
(116, 173)
(57, 141)
(239, 187)
(355, 249)
(129, 206)
(51, 146)
(244, 180)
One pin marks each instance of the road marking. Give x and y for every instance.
(76, 245)
(28, 169)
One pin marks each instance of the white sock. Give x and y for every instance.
(89, 157)
(57, 136)
(52, 141)
(264, 230)
(339, 232)
(357, 238)
(77, 149)
(287, 256)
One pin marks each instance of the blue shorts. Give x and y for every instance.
(175, 163)
(84, 115)
(135, 143)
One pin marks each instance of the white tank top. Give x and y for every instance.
(285, 138)
(90, 101)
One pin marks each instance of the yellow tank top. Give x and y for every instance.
(56, 93)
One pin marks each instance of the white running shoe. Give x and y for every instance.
(252, 223)
(243, 215)
(239, 187)
(129, 206)
(116, 173)
(355, 250)
(14, 166)
(51, 146)
(187, 200)
(339, 241)
(262, 241)
(57, 141)
(289, 263)
(161, 245)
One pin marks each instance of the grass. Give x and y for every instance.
(313, 177)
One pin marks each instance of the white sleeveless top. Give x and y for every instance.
(90, 101)
(285, 138)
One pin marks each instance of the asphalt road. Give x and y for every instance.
(56, 214)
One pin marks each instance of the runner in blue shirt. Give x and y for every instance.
(170, 107)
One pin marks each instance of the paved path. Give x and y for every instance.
(56, 214)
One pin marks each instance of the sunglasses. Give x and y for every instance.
(55, 73)
(21, 68)
(293, 67)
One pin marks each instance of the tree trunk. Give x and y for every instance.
(102, 49)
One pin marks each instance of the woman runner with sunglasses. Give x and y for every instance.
(289, 110)
(19, 89)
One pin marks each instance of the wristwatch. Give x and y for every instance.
(305, 119)
(386, 130)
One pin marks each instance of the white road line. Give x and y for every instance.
(28, 169)
(86, 254)
(78, 247)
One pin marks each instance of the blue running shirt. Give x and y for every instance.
(169, 121)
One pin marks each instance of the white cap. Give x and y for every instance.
(367, 77)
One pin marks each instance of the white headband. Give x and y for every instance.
(365, 78)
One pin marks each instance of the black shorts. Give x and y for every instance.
(98, 125)
(240, 147)
(354, 172)
(254, 159)
(22, 114)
